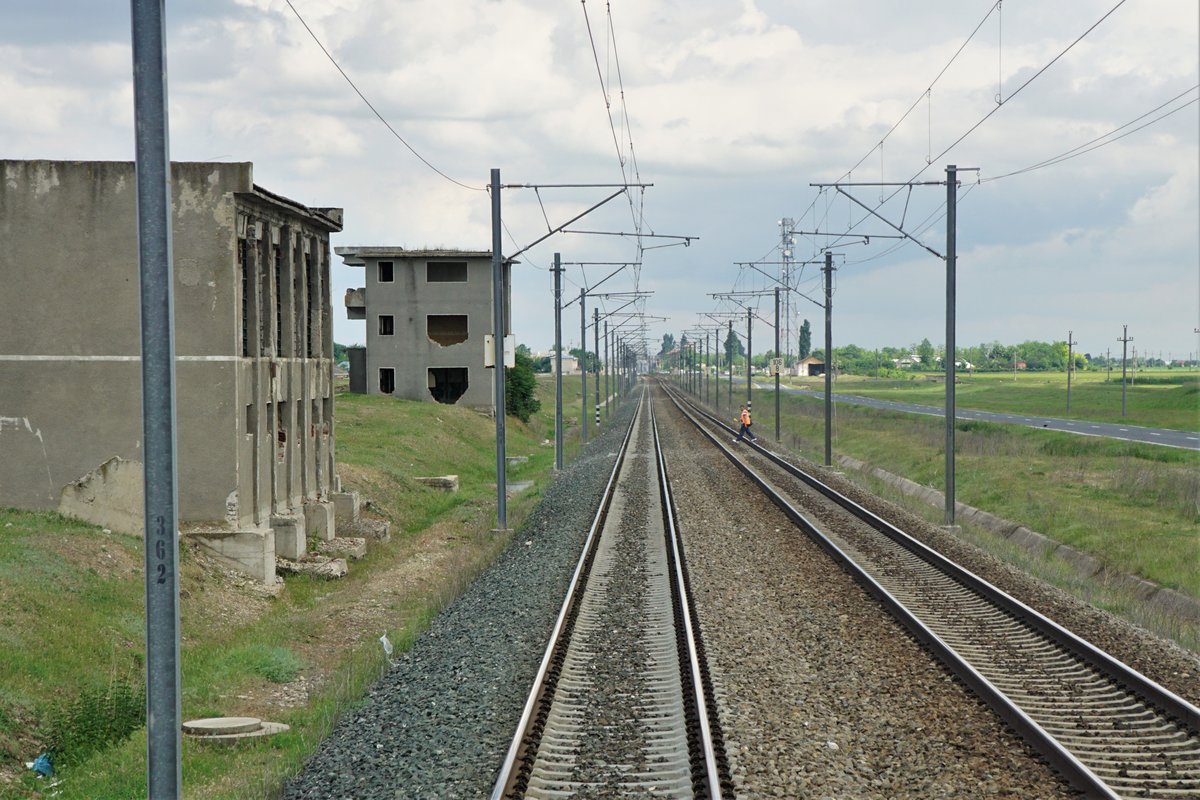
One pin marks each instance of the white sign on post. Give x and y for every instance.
(489, 351)
(776, 365)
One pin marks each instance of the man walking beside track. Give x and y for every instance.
(746, 423)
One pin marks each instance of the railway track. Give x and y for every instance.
(621, 704)
(1112, 732)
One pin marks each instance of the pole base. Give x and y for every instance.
(501, 530)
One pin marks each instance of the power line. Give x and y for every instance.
(926, 92)
(1098, 142)
(999, 104)
(637, 214)
(373, 109)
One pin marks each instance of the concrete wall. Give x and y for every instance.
(70, 382)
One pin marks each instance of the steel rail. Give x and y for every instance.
(702, 703)
(508, 772)
(1162, 698)
(1075, 771)
(710, 776)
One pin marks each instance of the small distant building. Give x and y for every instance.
(809, 367)
(427, 313)
(570, 364)
(253, 344)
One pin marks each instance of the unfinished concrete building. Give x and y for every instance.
(428, 313)
(254, 348)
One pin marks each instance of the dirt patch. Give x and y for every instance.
(211, 594)
(102, 552)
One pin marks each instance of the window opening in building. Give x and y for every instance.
(244, 269)
(251, 420)
(310, 280)
(387, 380)
(298, 346)
(265, 314)
(385, 271)
(387, 325)
(447, 329)
(447, 384)
(278, 300)
(446, 272)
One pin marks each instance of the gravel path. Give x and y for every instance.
(439, 723)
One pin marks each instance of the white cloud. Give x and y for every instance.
(735, 106)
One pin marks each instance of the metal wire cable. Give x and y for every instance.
(375, 111)
(1098, 142)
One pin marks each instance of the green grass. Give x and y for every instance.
(74, 606)
(1135, 506)
(1158, 399)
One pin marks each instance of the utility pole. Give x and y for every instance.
(707, 369)
(951, 351)
(596, 336)
(749, 355)
(498, 355)
(828, 270)
(1070, 365)
(775, 363)
(607, 395)
(583, 365)
(160, 480)
(557, 269)
(787, 228)
(727, 340)
(1124, 340)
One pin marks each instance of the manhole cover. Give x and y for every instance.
(220, 726)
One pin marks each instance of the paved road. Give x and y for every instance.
(1167, 437)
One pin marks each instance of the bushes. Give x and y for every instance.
(520, 387)
(100, 717)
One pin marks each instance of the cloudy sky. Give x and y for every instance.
(730, 108)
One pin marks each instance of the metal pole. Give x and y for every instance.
(749, 354)
(828, 270)
(707, 368)
(607, 395)
(1124, 340)
(558, 404)
(161, 502)
(1070, 363)
(596, 338)
(948, 359)
(583, 363)
(776, 363)
(498, 355)
(728, 343)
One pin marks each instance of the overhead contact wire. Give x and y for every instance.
(374, 110)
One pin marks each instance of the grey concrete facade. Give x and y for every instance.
(254, 353)
(427, 313)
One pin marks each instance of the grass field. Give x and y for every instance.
(72, 634)
(1158, 398)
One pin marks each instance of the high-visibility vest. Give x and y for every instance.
(745, 417)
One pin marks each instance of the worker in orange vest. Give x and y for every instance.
(746, 423)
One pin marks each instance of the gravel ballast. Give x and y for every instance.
(440, 722)
(821, 694)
